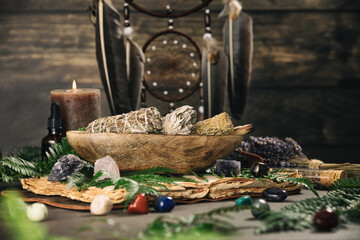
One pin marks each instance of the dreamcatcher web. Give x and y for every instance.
(172, 66)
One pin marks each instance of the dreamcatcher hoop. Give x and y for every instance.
(169, 13)
(167, 85)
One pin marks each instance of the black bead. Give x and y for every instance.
(259, 169)
(274, 194)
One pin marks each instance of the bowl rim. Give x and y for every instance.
(153, 134)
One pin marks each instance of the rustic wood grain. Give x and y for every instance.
(60, 47)
(321, 116)
(133, 152)
(253, 5)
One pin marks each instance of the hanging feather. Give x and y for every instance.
(121, 78)
(214, 77)
(135, 73)
(238, 41)
(134, 62)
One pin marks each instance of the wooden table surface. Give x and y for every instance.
(63, 222)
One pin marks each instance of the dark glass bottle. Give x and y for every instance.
(55, 134)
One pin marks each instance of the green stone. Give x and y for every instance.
(259, 207)
(244, 201)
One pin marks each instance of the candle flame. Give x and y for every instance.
(74, 85)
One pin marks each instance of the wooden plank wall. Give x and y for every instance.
(305, 82)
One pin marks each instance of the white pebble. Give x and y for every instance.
(37, 212)
(101, 205)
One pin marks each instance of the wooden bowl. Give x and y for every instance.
(133, 152)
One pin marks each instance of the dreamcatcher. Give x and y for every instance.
(172, 58)
(170, 65)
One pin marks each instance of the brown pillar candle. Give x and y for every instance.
(78, 107)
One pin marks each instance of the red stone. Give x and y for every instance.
(325, 219)
(139, 205)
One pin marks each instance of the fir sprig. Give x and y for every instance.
(134, 182)
(22, 167)
(13, 214)
(345, 183)
(298, 216)
(53, 154)
(170, 226)
(20, 164)
(281, 177)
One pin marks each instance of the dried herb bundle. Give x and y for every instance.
(180, 121)
(145, 120)
(218, 125)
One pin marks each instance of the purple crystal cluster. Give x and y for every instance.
(64, 167)
(274, 151)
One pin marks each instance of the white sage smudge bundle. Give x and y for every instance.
(145, 120)
(181, 121)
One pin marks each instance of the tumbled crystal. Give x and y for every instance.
(259, 169)
(37, 212)
(228, 168)
(244, 201)
(274, 194)
(64, 167)
(259, 207)
(101, 205)
(109, 165)
(325, 219)
(164, 204)
(139, 205)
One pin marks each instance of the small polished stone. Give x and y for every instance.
(37, 212)
(139, 205)
(259, 207)
(164, 204)
(259, 169)
(228, 168)
(325, 219)
(274, 194)
(101, 205)
(244, 201)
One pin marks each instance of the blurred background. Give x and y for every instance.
(305, 80)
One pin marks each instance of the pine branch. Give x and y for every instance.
(199, 175)
(172, 227)
(31, 154)
(345, 183)
(298, 216)
(52, 155)
(303, 181)
(14, 168)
